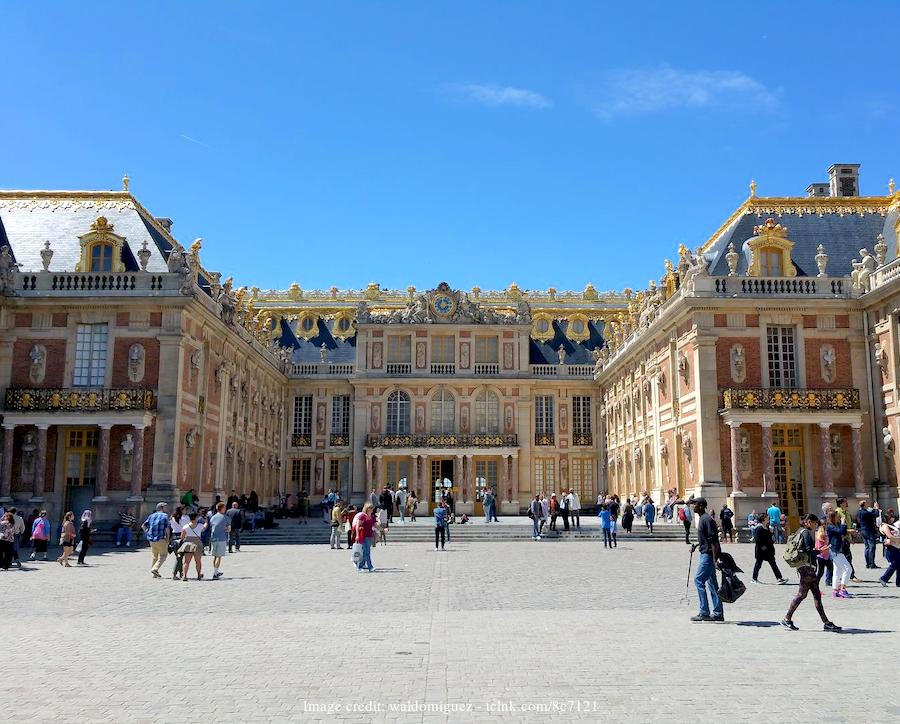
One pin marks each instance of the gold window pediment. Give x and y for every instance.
(577, 328)
(542, 326)
(101, 235)
(771, 239)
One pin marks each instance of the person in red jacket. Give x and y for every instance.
(364, 523)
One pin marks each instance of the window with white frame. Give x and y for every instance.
(581, 415)
(781, 355)
(303, 415)
(443, 349)
(398, 413)
(399, 348)
(486, 350)
(340, 415)
(487, 413)
(443, 412)
(543, 414)
(90, 355)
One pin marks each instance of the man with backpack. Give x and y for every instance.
(800, 553)
(705, 578)
(684, 515)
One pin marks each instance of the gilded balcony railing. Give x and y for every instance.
(583, 439)
(543, 438)
(73, 399)
(790, 399)
(301, 440)
(441, 440)
(339, 440)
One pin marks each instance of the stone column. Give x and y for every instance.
(368, 482)
(40, 462)
(102, 464)
(736, 458)
(459, 477)
(6, 475)
(858, 485)
(768, 459)
(514, 475)
(825, 451)
(137, 465)
(412, 482)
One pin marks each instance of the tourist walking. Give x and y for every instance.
(7, 535)
(382, 524)
(534, 512)
(192, 545)
(440, 524)
(628, 516)
(337, 517)
(575, 508)
(774, 514)
(823, 560)
(400, 503)
(867, 523)
(891, 535)
(605, 525)
(684, 515)
(236, 525)
(494, 518)
(349, 517)
(837, 532)
(303, 503)
(412, 503)
(126, 525)
(174, 544)
(40, 536)
(18, 532)
(157, 529)
(67, 539)
(705, 578)
(726, 515)
(545, 513)
(84, 536)
(364, 523)
(487, 500)
(844, 518)
(564, 509)
(219, 526)
(809, 582)
(764, 551)
(649, 514)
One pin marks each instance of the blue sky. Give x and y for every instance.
(549, 144)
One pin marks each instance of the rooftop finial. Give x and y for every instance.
(752, 188)
(125, 182)
(891, 186)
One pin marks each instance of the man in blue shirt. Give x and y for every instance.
(158, 530)
(774, 513)
(440, 523)
(705, 578)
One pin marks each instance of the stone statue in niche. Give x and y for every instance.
(420, 418)
(195, 363)
(127, 464)
(887, 441)
(37, 367)
(219, 374)
(136, 357)
(561, 353)
(28, 448)
(464, 418)
(738, 363)
(191, 438)
(834, 448)
(229, 450)
(880, 358)
(744, 454)
(320, 418)
(320, 472)
(687, 447)
(376, 419)
(828, 363)
(508, 418)
(420, 355)
(323, 354)
(683, 367)
(564, 471)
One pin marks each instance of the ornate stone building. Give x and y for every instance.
(761, 366)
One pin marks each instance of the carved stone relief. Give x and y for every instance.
(828, 359)
(420, 418)
(320, 418)
(37, 367)
(744, 461)
(738, 363)
(837, 456)
(127, 462)
(377, 355)
(28, 448)
(563, 418)
(508, 420)
(507, 355)
(136, 362)
(464, 355)
(420, 355)
(464, 418)
(376, 418)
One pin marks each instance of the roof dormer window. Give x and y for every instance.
(101, 257)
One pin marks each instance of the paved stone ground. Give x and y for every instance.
(517, 631)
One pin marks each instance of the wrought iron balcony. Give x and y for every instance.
(583, 439)
(301, 440)
(441, 441)
(74, 399)
(339, 440)
(790, 399)
(543, 438)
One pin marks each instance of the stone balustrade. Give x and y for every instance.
(451, 440)
(41, 284)
(29, 399)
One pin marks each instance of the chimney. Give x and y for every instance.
(165, 222)
(843, 179)
(818, 190)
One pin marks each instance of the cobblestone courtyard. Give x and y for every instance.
(294, 633)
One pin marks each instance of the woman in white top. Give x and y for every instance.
(192, 545)
(177, 527)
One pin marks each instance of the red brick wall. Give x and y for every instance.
(23, 319)
(156, 319)
(843, 373)
(842, 321)
(122, 319)
(720, 320)
(752, 320)
(60, 319)
(120, 362)
(752, 361)
(55, 365)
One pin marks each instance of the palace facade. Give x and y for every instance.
(760, 366)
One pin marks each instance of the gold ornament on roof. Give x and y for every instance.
(771, 228)
(101, 224)
(752, 188)
(891, 186)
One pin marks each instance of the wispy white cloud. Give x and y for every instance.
(491, 94)
(190, 139)
(630, 92)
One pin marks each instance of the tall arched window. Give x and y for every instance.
(101, 257)
(443, 412)
(398, 413)
(487, 413)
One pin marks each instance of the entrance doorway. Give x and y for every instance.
(441, 473)
(787, 448)
(485, 477)
(81, 468)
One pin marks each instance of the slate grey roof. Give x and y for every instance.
(577, 353)
(29, 219)
(307, 351)
(841, 235)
